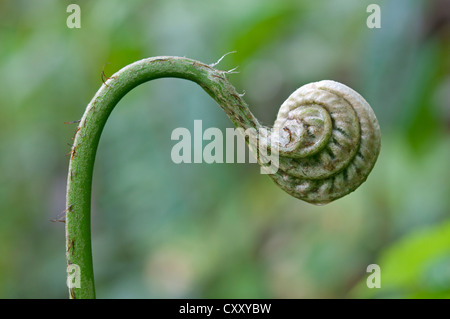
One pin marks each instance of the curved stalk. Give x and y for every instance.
(87, 136)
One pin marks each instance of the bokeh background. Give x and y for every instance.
(162, 230)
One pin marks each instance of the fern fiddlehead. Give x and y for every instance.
(328, 140)
(331, 142)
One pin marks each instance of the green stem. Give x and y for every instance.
(82, 157)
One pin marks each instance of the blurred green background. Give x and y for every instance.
(162, 230)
